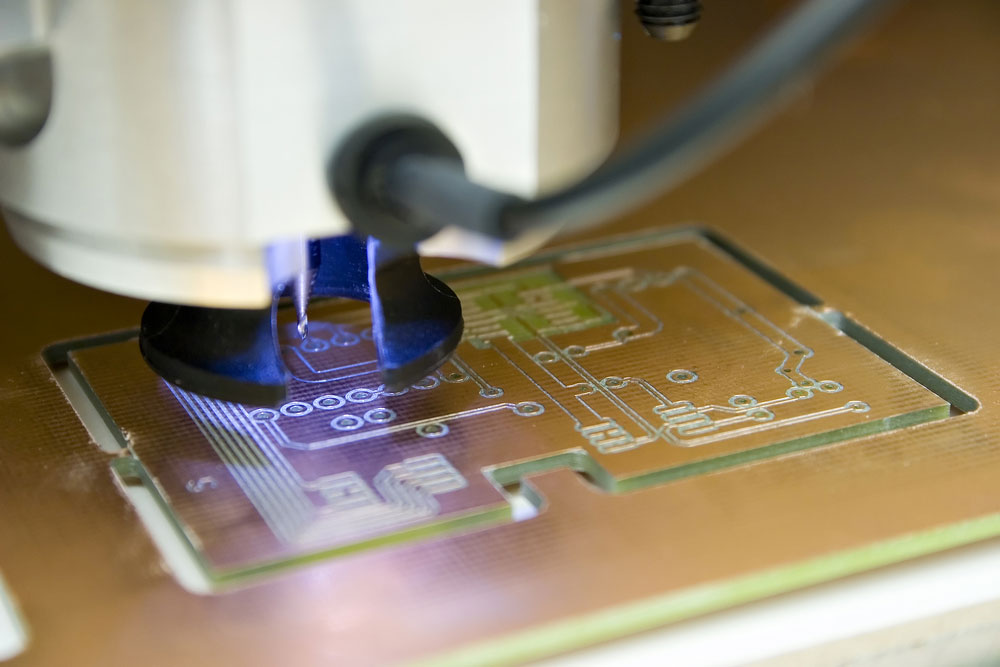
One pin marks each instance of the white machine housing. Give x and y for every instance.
(186, 137)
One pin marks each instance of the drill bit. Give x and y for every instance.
(301, 285)
(288, 266)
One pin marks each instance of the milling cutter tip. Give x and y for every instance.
(301, 288)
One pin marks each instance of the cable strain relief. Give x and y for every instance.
(359, 169)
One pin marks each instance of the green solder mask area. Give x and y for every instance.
(525, 306)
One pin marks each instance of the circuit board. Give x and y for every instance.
(862, 224)
(634, 363)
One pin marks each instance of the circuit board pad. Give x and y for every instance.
(634, 363)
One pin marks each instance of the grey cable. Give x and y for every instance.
(436, 193)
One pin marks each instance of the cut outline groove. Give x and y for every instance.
(581, 462)
(511, 479)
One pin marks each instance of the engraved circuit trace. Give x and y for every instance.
(640, 361)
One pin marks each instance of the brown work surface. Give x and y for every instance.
(877, 193)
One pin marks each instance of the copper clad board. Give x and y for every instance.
(618, 444)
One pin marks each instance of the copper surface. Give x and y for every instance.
(877, 193)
